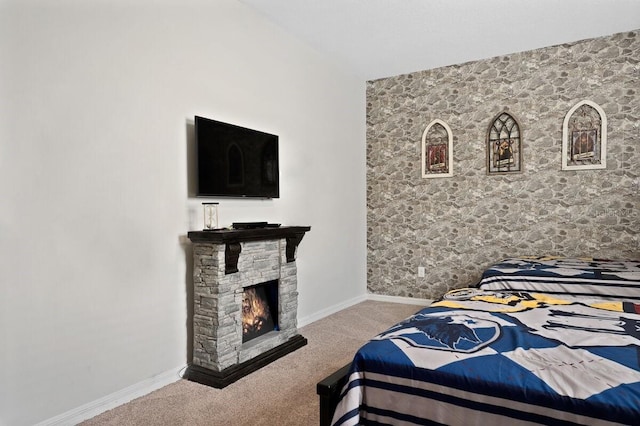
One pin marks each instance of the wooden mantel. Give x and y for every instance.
(233, 237)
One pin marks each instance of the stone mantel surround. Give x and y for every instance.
(225, 262)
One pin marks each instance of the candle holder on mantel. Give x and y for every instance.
(210, 216)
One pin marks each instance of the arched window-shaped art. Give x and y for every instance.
(504, 145)
(437, 150)
(584, 137)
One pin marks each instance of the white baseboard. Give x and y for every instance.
(330, 310)
(99, 406)
(347, 303)
(398, 299)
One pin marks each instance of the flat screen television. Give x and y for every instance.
(234, 161)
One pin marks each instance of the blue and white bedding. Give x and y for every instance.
(499, 355)
(618, 279)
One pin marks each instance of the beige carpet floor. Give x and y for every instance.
(279, 394)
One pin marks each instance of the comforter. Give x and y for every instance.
(506, 353)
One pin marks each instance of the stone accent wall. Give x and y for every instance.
(218, 301)
(456, 227)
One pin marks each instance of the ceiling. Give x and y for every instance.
(382, 38)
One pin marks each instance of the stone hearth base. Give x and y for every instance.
(221, 379)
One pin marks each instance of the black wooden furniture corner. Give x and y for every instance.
(329, 391)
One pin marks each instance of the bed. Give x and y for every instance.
(539, 340)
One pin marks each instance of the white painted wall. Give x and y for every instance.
(96, 108)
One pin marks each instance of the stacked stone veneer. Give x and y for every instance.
(457, 226)
(218, 301)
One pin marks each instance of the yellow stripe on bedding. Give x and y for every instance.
(609, 306)
(501, 302)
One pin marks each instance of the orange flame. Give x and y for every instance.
(255, 311)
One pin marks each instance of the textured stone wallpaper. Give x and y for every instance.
(455, 227)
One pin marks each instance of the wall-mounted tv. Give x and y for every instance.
(234, 161)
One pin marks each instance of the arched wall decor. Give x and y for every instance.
(584, 137)
(437, 150)
(504, 145)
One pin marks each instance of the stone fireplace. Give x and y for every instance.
(236, 272)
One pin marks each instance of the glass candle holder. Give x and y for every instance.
(210, 216)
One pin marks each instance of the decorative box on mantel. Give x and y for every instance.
(245, 301)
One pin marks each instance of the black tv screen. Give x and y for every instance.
(234, 161)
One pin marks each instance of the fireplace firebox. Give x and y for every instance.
(245, 301)
(259, 310)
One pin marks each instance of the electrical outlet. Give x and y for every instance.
(421, 271)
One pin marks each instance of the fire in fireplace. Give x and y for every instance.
(259, 310)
